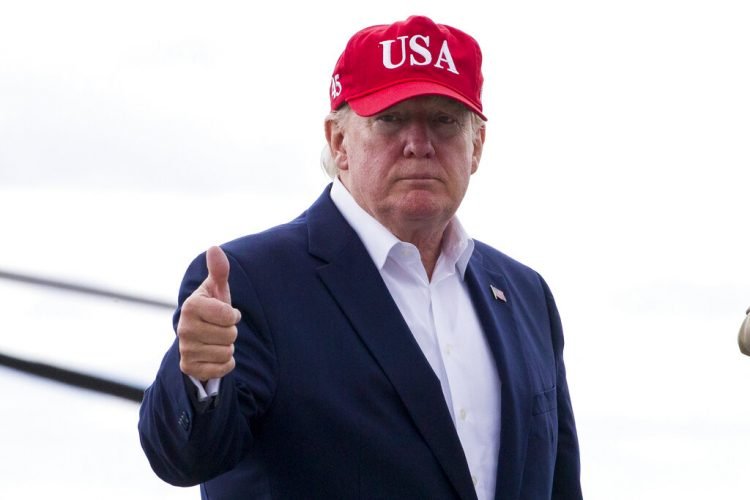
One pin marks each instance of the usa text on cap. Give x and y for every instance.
(386, 64)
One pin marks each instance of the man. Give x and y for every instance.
(370, 348)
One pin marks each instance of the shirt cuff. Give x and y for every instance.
(210, 390)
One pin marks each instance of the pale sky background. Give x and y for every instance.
(133, 135)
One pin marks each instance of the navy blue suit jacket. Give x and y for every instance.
(331, 396)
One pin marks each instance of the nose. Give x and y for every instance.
(418, 140)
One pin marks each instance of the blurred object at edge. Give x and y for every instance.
(743, 339)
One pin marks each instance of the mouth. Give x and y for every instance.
(419, 178)
(419, 183)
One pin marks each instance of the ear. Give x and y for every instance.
(478, 143)
(335, 139)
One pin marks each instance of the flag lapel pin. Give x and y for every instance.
(498, 294)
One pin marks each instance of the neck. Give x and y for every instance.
(429, 245)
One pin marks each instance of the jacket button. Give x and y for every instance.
(184, 421)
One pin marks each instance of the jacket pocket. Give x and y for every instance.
(545, 401)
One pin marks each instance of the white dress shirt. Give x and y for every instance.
(441, 316)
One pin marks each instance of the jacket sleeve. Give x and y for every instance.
(187, 442)
(567, 480)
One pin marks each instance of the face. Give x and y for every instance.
(408, 166)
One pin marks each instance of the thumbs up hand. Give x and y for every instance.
(207, 327)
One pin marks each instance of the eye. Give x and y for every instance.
(388, 118)
(445, 119)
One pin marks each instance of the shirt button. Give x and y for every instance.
(462, 414)
(448, 350)
(474, 480)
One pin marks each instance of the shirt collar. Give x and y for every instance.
(379, 241)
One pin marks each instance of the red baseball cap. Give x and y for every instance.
(386, 64)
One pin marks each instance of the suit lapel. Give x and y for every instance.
(496, 317)
(355, 283)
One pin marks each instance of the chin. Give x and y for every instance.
(425, 208)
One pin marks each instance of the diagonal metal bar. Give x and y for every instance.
(88, 290)
(73, 378)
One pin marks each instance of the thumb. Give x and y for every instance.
(217, 283)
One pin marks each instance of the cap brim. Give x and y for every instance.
(375, 102)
